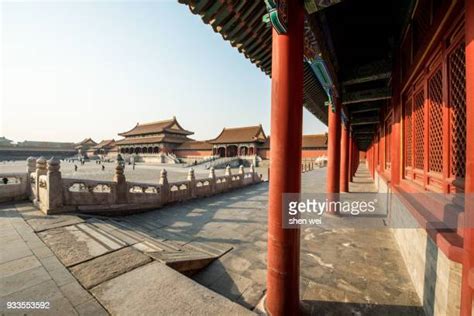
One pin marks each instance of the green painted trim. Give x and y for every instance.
(275, 19)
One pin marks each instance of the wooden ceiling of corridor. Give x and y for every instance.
(356, 38)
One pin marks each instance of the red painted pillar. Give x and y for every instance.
(354, 161)
(351, 157)
(373, 160)
(282, 297)
(396, 141)
(334, 122)
(344, 174)
(467, 291)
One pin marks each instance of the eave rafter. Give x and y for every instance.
(357, 121)
(377, 70)
(364, 108)
(370, 95)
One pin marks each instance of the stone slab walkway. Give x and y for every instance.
(343, 271)
(30, 272)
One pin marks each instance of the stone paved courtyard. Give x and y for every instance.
(90, 264)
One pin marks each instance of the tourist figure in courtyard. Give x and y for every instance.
(103, 167)
(75, 167)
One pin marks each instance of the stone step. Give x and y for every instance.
(186, 262)
(155, 289)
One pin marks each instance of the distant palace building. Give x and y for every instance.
(240, 141)
(27, 148)
(168, 141)
(164, 142)
(153, 138)
(107, 147)
(5, 142)
(86, 148)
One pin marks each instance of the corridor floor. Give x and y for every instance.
(343, 271)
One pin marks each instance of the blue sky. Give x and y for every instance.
(74, 69)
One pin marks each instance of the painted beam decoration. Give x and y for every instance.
(316, 5)
(277, 15)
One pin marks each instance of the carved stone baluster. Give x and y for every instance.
(41, 170)
(254, 174)
(30, 169)
(192, 183)
(54, 187)
(228, 175)
(31, 165)
(241, 175)
(212, 180)
(120, 185)
(165, 188)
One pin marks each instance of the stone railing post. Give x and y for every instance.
(254, 174)
(120, 185)
(165, 187)
(54, 187)
(41, 170)
(30, 165)
(242, 174)
(228, 175)
(30, 169)
(192, 182)
(212, 180)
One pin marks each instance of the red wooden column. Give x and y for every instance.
(282, 297)
(334, 123)
(354, 159)
(351, 157)
(374, 152)
(396, 140)
(467, 291)
(344, 174)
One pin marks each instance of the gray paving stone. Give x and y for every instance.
(19, 265)
(22, 280)
(75, 293)
(43, 292)
(13, 253)
(231, 285)
(155, 289)
(42, 252)
(51, 263)
(91, 308)
(53, 221)
(61, 276)
(106, 267)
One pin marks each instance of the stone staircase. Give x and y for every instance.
(223, 162)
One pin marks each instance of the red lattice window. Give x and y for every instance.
(408, 133)
(418, 110)
(435, 145)
(457, 103)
